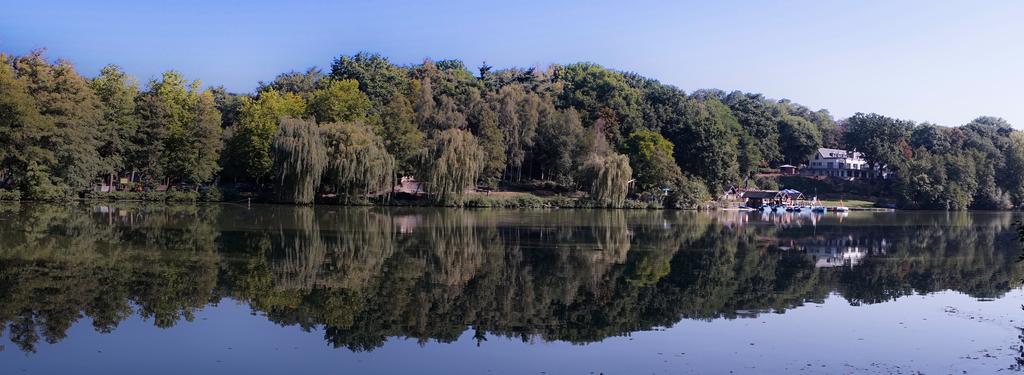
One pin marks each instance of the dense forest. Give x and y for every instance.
(364, 275)
(352, 132)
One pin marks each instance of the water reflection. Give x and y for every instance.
(364, 275)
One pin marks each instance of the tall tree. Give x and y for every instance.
(651, 159)
(339, 101)
(116, 91)
(299, 83)
(798, 139)
(381, 80)
(180, 130)
(247, 153)
(450, 164)
(358, 163)
(484, 122)
(300, 159)
(881, 139)
(25, 160)
(606, 173)
(402, 138)
(66, 99)
(755, 114)
(560, 145)
(599, 93)
(706, 142)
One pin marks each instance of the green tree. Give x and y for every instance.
(117, 91)
(397, 127)
(381, 80)
(180, 130)
(608, 176)
(299, 83)
(450, 164)
(358, 163)
(756, 115)
(605, 173)
(652, 163)
(1015, 168)
(300, 159)
(339, 101)
(879, 138)
(599, 93)
(799, 139)
(248, 148)
(66, 99)
(706, 142)
(484, 122)
(25, 160)
(560, 145)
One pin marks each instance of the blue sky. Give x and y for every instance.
(938, 61)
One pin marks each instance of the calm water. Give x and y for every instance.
(123, 289)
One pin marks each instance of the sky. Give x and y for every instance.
(944, 62)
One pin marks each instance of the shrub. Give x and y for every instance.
(180, 196)
(10, 195)
(690, 194)
(211, 194)
(766, 183)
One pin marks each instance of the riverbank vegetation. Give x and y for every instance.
(349, 135)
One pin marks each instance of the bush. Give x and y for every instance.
(691, 193)
(766, 183)
(211, 194)
(181, 196)
(10, 195)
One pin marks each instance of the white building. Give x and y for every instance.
(837, 163)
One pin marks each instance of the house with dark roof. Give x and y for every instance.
(760, 198)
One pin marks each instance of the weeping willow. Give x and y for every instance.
(300, 157)
(451, 163)
(609, 177)
(359, 163)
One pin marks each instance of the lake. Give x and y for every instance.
(164, 289)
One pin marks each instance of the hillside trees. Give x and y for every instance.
(575, 129)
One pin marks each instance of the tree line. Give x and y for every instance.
(355, 129)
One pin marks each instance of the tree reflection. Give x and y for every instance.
(364, 275)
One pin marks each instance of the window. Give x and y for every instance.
(831, 165)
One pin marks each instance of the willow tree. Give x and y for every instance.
(610, 175)
(607, 173)
(358, 163)
(300, 158)
(449, 164)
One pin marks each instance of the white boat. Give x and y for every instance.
(816, 206)
(841, 207)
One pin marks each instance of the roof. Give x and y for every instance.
(787, 166)
(760, 194)
(837, 153)
(791, 193)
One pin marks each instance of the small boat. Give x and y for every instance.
(816, 206)
(841, 207)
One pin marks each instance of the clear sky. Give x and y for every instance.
(940, 61)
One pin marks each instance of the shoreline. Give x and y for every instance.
(536, 202)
